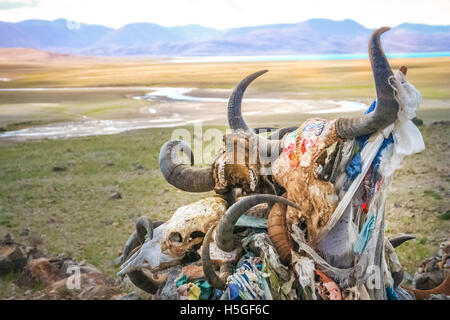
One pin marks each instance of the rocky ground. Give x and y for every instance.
(57, 278)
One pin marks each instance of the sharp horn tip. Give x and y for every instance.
(380, 31)
(400, 239)
(262, 72)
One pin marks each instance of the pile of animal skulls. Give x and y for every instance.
(289, 172)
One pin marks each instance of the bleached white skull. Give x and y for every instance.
(189, 224)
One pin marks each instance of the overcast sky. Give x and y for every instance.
(224, 14)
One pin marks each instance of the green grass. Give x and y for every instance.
(415, 204)
(71, 211)
(433, 194)
(445, 216)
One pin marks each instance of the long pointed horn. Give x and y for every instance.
(387, 107)
(208, 269)
(180, 175)
(267, 148)
(400, 239)
(235, 119)
(225, 228)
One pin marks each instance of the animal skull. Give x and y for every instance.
(297, 170)
(237, 163)
(189, 224)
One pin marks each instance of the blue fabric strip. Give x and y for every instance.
(364, 235)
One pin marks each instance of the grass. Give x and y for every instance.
(71, 211)
(416, 204)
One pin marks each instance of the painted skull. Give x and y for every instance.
(297, 170)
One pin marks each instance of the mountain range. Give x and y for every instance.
(315, 36)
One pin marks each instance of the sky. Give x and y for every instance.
(225, 14)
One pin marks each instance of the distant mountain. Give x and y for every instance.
(315, 36)
(42, 34)
(24, 54)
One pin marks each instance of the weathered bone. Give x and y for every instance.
(140, 278)
(190, 223)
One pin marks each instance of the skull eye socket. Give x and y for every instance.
(175, 237)
(196, 234)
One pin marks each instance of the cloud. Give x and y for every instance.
(8, 4)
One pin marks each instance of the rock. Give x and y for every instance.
(40, 272)
(443, 123)
(99, 292)
(58, 168)
(71, 163)
(428, 280)
(129, 296)
(433, 271)
(8, 239)
(115, 196)
(33, 253)
(13, 257)
(417, 121)
(61, 282)
(89, 269)
(25, 232)
(138, 166)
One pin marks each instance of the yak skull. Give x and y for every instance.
(190, 223)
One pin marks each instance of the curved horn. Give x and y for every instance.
(387, 107)
(267, 148)
(208, 269)
(225, 228)
(144, 282)
(235, 119)
(400, 239)
(144, 226)
(182, 176)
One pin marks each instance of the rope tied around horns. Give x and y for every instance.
(380, 155)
